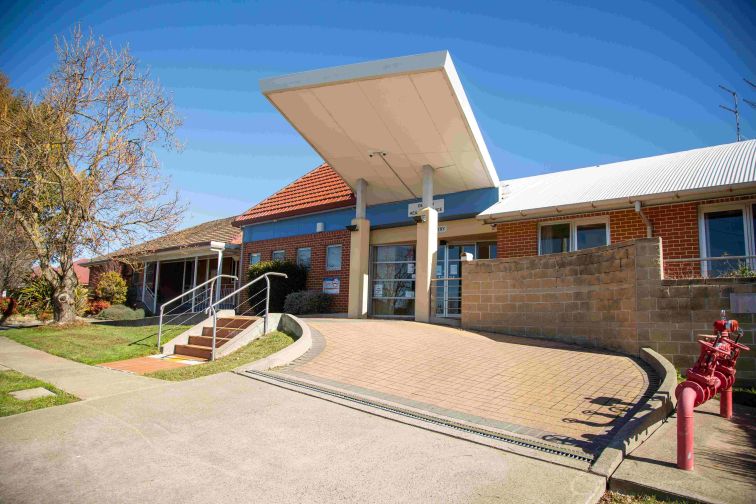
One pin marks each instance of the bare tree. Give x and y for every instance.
(16, 255)
(78, 170)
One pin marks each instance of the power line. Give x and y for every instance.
(735, 111)
(749, 102)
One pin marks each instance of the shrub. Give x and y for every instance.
(8, 307)
(121, 312)
(36, 297)
(305, 302)
(95, 306)
(742, 271)
(112, 287)
(279, 287)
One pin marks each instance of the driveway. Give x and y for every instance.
(555, 392)
(227, 438)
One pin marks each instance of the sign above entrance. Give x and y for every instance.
(413, 209)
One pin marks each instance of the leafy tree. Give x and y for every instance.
(111, 287)
(16, 255)
(78, 170)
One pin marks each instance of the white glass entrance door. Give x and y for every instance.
(393, 281)
(449, 291)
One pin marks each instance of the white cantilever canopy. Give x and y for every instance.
(382, 121)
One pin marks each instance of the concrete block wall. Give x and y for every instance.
(613, 297)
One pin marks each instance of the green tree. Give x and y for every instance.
(111, 287)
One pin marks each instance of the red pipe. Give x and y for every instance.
(685, 428)
(725, 403)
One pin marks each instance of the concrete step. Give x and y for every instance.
(204, 352)
(239, 322)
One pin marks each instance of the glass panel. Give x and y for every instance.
(555, 238)
(391, 289)
(486, 250)
(394, 253)
(278, 255)
(333, 257)
(304, 257)
(394, 307)
(591, 235)
(254, 258)
(724, 237)
(389, 271)
(454, 307)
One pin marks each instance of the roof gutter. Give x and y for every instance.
(621, 203)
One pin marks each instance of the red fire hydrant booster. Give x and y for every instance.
(713, 372)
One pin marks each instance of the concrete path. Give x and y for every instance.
(725, 460)
(81, 380)
(552, 391)
(226, 438)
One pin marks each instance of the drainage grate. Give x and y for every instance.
(497, 436)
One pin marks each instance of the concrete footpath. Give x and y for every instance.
(227, 438)
(725, 460)
(81, 380)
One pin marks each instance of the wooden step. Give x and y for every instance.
(237, 322)
(221, 332)
(207, 341)
(204, 352)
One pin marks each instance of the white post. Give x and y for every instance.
(427, 186)
(155, 292)
(218, 274)
(194, 281)
(360, 194)
(144, 279)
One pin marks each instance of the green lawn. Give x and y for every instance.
(258, 349)
(92, 343)
(11, 381)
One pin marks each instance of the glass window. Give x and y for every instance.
(591, 235)
(486, 250)
(304, 257)
(333, 257)
(254, 258)
(725, 236)
(278, 255)
(393, 281)
(555, 238)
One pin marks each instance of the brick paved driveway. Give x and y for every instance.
(552, 391)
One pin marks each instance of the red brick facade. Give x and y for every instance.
(318, 243)
(676, 224)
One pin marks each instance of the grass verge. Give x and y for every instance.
(91, 343)
(258, 349)
(618, 498)
(10, 381)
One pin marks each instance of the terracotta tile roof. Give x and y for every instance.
(321, 189)
(220, 230)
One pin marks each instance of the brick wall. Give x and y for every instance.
(612, 297)
(318, 243)
(676, 224)
(96, 271)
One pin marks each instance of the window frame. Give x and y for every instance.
(259, 258)
(341, 256)
(749, 231)
(308, 266)
(273, 254)
(574, 224)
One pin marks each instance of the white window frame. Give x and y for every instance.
(304, 248)
(746, 207)
(273, 254)
(258, 254)
(574, 223)
(341, 257)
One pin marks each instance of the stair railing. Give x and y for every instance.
(199, 296)
(253, 309)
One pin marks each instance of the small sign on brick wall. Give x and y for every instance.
(743, 302)
(331, 285)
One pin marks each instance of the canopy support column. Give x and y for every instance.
(427, 246)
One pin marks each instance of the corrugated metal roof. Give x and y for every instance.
(720, 166)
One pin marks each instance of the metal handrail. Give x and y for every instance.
(214, 313)
(182, 296)
(705, 259)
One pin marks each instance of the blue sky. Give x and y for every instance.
(554, 85)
